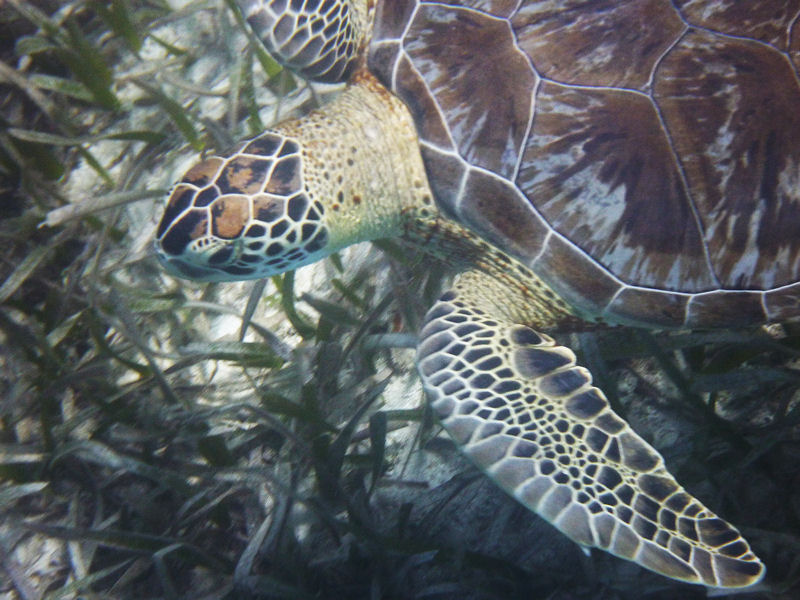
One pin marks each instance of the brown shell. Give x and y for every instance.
(643, 156)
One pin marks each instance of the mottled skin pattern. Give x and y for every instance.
(531, 158)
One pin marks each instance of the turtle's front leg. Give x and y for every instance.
(521, 408)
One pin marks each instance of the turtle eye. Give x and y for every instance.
(243, 216)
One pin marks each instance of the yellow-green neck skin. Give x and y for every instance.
(349, 172)
(362, 161)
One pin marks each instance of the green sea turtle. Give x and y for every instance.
(627, 162)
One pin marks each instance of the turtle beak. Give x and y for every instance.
(207, 265)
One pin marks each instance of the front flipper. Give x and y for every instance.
(321, 40)
(529, 417)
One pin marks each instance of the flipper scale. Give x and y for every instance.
(530, 417)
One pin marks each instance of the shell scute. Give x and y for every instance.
(487, 134)
(656, 143)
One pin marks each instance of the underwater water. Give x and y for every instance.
(166, 439)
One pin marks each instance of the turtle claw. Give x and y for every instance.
(525, 413)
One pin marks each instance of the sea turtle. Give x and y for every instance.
(617, 162)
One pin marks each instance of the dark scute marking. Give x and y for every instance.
(506, 386)
(586, 404)
(489, 364)
(647, 507)
(644, 528)
(525, 336)
(546, 467)
(179, 200)
(482, 381)
(279, 228)
(561, 478)
(297, 207)
(625, 493)
(204, 172)
(608, 499)
(686, 527)
(610, 423)
(656, 486)
(448, 296)
(317, 242)
(490, 430)
(452, 386)
(612, 450)
(243, 175)
(624, 513)
(264, 145)
(716, 532)
(692, 510)
(636, 454)
(250, 258)
(596, 439)
(289, 147)
(307, 231)
(564, 383)
(206, 196)
(525, 450)
(680, 548)
(221, 255)
(434, 364)
(466, 329)
(274, 249)
(236, 270)
(255, 231)
(678, 502)
(438, 311)
(476, 354)
(183, 232)
(295, 254)
(285, 178)
(749, 569)
(432, 344)
(609, 478)
(255, 245)
(268, 209)
(457, 349)
(668, 519)
(534, 362)
(284, 28)
(735, 549)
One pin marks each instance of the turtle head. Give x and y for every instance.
(245, 216)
